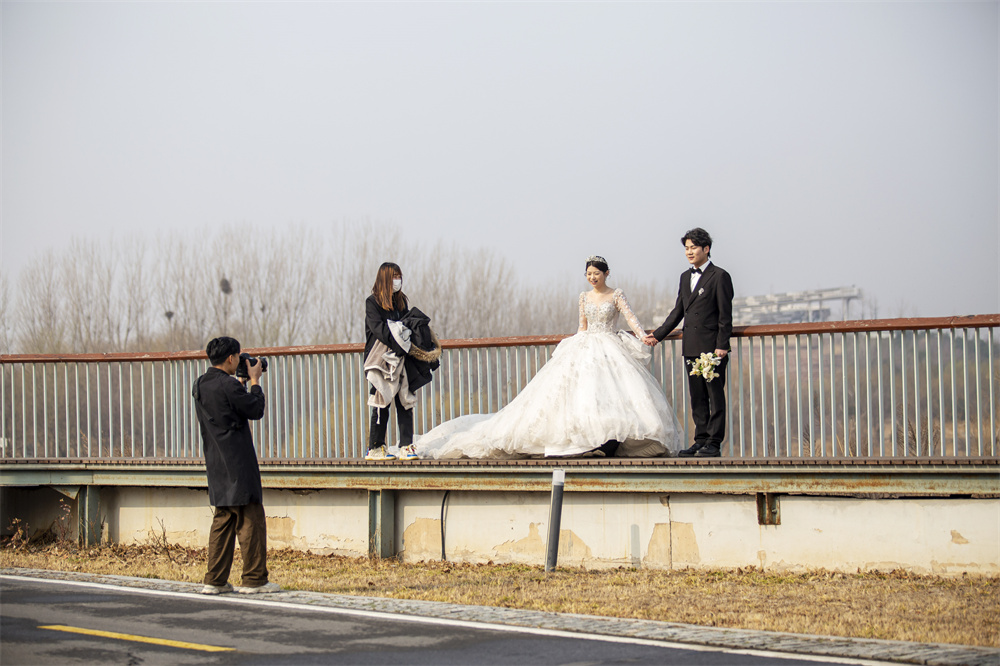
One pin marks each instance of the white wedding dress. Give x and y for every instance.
(592, 390)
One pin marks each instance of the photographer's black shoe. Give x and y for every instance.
(691, 450)
(710, 451)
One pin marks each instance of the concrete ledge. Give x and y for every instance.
(941, 477)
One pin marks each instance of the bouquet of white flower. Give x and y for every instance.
(704, 366)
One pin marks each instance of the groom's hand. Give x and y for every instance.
(721, 353)
(650, 340)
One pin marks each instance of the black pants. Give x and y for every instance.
(248, 524)
(380, 422)
(708, 405)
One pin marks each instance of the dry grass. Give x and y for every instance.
(898, 606)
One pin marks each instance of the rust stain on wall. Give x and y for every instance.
(572, 547)
(684, 544)
(422, 538)
(280, 528)
(658, 551)
(189, 538)
(958, 538)
(531, 545)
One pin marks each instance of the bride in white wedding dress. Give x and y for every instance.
(592, 394)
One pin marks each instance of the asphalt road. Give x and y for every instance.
(39, 621)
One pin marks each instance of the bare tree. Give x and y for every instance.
(486, 277)
(40, 325)
(104, 304)
(284, 287)
(353, 256)
(82, 278)
(6, 332)
(869, 307)
(132, 298)
(650, 301)
(183, 285)
(437, 276)
(277, 286)
(903, 309)
(549, 309)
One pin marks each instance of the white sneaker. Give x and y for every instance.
(408, 452)
(216, 589)
(379, 453)
(266, 588)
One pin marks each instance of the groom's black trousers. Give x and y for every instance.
(708, 404)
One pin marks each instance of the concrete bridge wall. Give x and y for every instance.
(660, 530)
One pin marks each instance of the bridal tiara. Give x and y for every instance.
(595, 257)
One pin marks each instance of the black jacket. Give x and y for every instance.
(707, 312)
(224, 409)
(376, 327)
(418, 373)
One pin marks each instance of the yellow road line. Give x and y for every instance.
(138, 639)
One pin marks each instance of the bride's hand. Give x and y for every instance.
(650, 340)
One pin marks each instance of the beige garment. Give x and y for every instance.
(385, 370)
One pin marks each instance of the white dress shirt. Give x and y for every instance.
(697, 276)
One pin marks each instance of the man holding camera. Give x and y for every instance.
(225, 407)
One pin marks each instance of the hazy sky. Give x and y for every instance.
(822, 144)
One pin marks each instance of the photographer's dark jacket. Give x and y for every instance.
(418, 373)
(224, 409)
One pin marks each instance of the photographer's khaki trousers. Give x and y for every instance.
(248, 524)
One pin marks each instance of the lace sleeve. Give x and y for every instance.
(633, 322)
(583, 315)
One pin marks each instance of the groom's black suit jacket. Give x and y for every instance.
(707, 312)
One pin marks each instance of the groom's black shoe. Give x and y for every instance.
(710, 451)
(691, 450)
(609, 448)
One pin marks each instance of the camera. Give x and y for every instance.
(242, 370)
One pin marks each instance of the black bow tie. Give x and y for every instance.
(697, 271)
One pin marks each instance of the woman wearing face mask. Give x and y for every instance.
(397, 360)
(594, 397)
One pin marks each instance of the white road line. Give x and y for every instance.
(555, 633)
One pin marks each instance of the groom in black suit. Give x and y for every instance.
(705, 303)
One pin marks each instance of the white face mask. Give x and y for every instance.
(397, 284)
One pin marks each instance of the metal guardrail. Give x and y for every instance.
(899, 388)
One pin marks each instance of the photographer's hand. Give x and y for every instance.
(255, 371)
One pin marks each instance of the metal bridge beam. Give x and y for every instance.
(930, 479)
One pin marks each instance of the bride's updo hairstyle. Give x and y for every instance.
(600, 263)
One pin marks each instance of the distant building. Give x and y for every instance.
(792, 307)
(795, 306)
